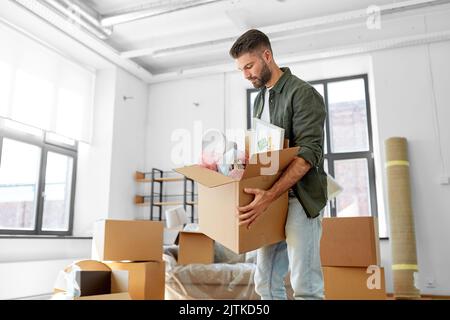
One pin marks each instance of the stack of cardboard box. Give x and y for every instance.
(351, 259)
(136, 247)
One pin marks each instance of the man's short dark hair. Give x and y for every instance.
(249, 42)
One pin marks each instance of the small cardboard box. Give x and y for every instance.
(119, 240)
(220, 195)
(350, 242)
(95, 280)
(146, 279)
(354, 283)
(195, 247)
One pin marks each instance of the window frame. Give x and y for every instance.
(333, 156)
(249, 107)
(63, 149)
(368, 155)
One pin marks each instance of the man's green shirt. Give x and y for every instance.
(298, 108)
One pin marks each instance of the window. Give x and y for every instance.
(37, 181)
(251, 96)
(348, 145)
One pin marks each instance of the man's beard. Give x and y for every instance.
(261, 81)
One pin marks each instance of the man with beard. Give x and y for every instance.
(288, 102)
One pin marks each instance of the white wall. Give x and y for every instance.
(235, 96)
(128, 145)
(172, 108)
(403, 87)
(30, 278)
(185, 108)
(94, 160)
(400, 94)
(105, 183)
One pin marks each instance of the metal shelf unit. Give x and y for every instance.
(156, 176)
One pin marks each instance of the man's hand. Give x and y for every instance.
(249, 213)
(295, 171)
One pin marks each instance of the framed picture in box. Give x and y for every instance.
(266, 137)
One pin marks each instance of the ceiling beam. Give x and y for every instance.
(80, 15)
(342, 51)
(278, 30)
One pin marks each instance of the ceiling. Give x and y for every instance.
(224, 20)
(191, 34)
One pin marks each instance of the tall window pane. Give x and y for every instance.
(352, 174)
(58, 184)
(19, 176)
(348, 116)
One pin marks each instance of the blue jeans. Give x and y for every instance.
(300, 253)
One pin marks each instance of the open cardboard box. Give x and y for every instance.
(91, 277)
(146, 279)
(195, 247)
(220, 195)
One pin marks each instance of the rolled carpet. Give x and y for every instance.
(403, 241)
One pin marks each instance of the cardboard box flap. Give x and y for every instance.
(89, 265)
(206, 177)
(258, 163)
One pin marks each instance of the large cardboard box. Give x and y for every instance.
(220, 195)
(354, 283)
(119, 240)
(195, 247)
(350, 242)
(146, 279)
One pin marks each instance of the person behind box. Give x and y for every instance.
(290, 103)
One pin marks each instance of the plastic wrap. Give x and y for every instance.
(66, 285)
(231, 279)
